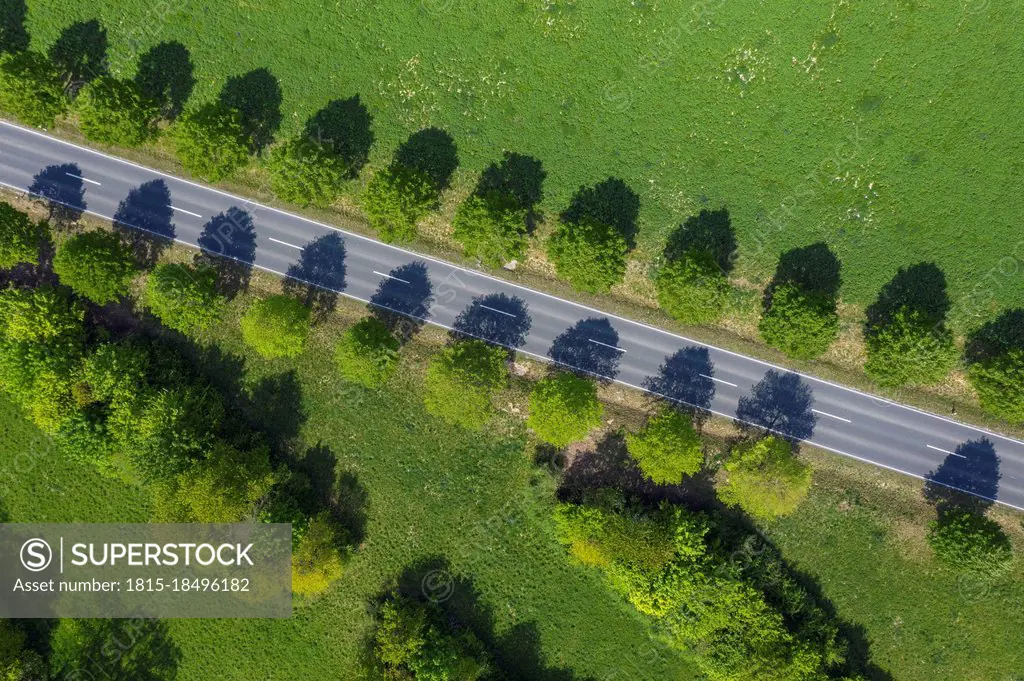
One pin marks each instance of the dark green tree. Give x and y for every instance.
(589, 254)
(668, 447)
(461, 382)
(306, 173)
(995, 365)
(367, 353)
(211, 141)
(114, 111)
(96, 265)
(491, 226)
(396, 199)
(765, 479)
(183, 297)
(128, 649)
(692, 288)
(909, 348)
(40, 314)
(319, 558)
(564, 408)
(276, 326)
(801, 323)
(31, 88)
(20, 237)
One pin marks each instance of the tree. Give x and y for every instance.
(909, 348)
(564, 408)
(492, 227)
(667, 448)
(306, 173)
(40, 314)
(211, 142)
(968, 541)
(183, 297)
(461, 382)
(18, 663)
(227, 485)
(801, 323)
(318, 560)
(114, 111)
(367, 353)
(96, 265)
(129, 650)
(765, 479)
(276, 327)
(999, 382)
(20, 237)
(396, 199)
(692, 288)
(31, 88)
(590, 254)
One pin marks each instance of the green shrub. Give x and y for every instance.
(40, 314)
(319, 559)
(968, 541)
(31, 88)
(564, 408)
(96, 265)
(183, 297)
(765, 479)
(909, 349)
(396, 199)
(461, 382)
(211, 141)
(491, 227)
(803, 324)
(305, 173)
(668, 448)
(692, 288)
(114, 111)
(590, 255)
(225, 486)
(276, 327)
(367, 353)
(20, 237)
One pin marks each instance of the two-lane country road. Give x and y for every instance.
(840, 419)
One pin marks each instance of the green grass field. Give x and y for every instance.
(882, 128)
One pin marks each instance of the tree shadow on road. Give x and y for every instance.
(590, 347)
(402, 300)
(780, 403)
(497, 318)
(969, 477)
(685, 381)
(61, 187)
(319, 276)
(145, 220)
(228, 241)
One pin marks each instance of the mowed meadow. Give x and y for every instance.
(884, 129)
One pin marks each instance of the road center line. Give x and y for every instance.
(718, 380)
(187, 212)
(285, 243)
(831, 416)
(84, 179)
(606, 345)
(390, 277)
(945, 451)
(487, 307)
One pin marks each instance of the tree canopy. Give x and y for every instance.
(909, 348)
(183, 297)
(995, 365)
(564, 408)
(692, 288)
(31, 88)
(211, 141)
(276, 326)
(491, 226)
(461, 382)
(20, 237)
(802, 323)
(589, 254)
(668, 447)
(396, 199)
(318, 560)
(226, 485)
(306, 173)
(367, 353)
(40, 314)
(114, 111)
(764, 478)
(96, 265)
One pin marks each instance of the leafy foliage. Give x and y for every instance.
(115, 111)
(692, 288)
(909, 349)
(564, 408)
(96, 265)
(590, 254)
(396, 199)
(183, 297)
(226, 486)
(801, 323)
(31, 88)
(144, 651)
(765, 479)
(318, 560)
(967, 541)
(306, 173)
(40, 314)
(995, 365)
(668, 447)
(20, 237)
(211, 142)
(367, 353)
(276, 326)
(491, 226)
(461, 382)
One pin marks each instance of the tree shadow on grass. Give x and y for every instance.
(257, 97)
(431, 151)
(920, 288)
(589, 347)
(496, 318)
(711, 231)
(61, 187)
(402, 300)
(996, 337)
(813, 268)
(273, 405)
(344, 126)
(610, 202)
(145, 220)
(967, 478)
(166, 76)
(228, 241)
(319, 276)
(145, 651)
(350, 502)
(780, 403)
(520, 176)
(13, 34)
(685, 381)
(80, 53)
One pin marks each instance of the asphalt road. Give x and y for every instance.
(802, 407)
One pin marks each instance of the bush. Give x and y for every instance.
(114, 111)
(226, 485)
(396, 199)
(667, 448)
(765, 479)
(40, 314)
(590, 255)
(999, 382)
(276, 327)
(96, 265)
(968, 541)
(31, 88)
(318, 560)
(306, 173)
(803, 324)
(909, 349)
(20, 237)
(367, 353)
(492, 227)
(184, 298)
(564, 408)
(692, 288)
(211, 142)
(461, 382)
